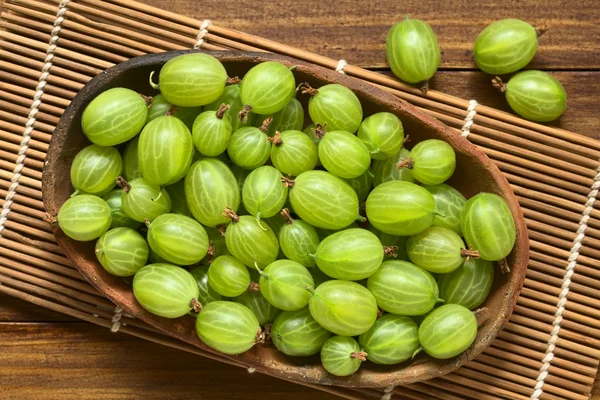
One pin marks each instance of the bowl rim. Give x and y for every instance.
(258, 357)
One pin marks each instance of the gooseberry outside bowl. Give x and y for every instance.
(475, 173)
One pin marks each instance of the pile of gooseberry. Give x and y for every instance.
(335, 240)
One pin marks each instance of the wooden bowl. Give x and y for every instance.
(474, 173)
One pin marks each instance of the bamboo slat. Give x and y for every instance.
(551, 171)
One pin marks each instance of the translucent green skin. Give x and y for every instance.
(336, 356)
(361, 185)
(264, 311)
(192, 80)
(403, 288)
(264, 194)
(178, 202)
(114, 117)
(308, 131)
(165, 151)
(488, 226)
(337, 106)
(160, 106)
(536, 95)
(84, 217)
(231, 96)
(119, 218)
(392, 240)
(469, 285)
(165, 290)
(221, 157)
(251, 242)
(178, 239)
(95, 169)
(210, 187)
(122, 251)
(206, 294)
(386, 170)
(344, 155)
(434, 161)
(323, 200)
(298, 240)
(145, 200)
(276, 223)
(228, 276)
(344, 308)
(412, 49)
(436, 249)
(295, 155)
(449, 204)
(448, 331)
(268, 87)
(284, 283)
(154, 258)
(351, 254)
(290, 118)
(400, 208)
(505, 46)
(383, 134)
(211, 134)
(131, 165)
(228, 327)
(249, 148)
(296, 333)
(391, 340)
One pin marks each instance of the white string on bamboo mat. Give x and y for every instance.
(202, 32)
(33, 110)
(471, 113)
(387, 393)
(562, 297)
(340, 67)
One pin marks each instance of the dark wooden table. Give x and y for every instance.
(45, 355)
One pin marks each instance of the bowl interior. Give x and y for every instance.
(474, 173)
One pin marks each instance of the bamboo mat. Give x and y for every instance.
(552, 342)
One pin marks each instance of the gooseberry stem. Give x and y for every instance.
(293, 67)
(312, 255)
(196, 306)
(260, 223)
(504, 268)
(260, 271)
(276, 139)
(287, 218)
(154, 85)
(424, 87)
(310, 290)
(265, 125)
(305, 88)
(221, 111)
(229, 213)
(260, 336)
(288, 181)
(147, 221)
(147, 99)
(469, 253)
(158, 197)
(359, 355)
(406, 139)
(222, 229)
(406, 163)
(379, 312)
(211, 250)
(417, 351)
(75, 193)
(370, 174)
(319, 130)
(440, 300)
(51, 219)
(243, 115)
(390, 251)
(253, 287)
(498, 84)
(540, 30)
(360, 218)
(123, 184)
(172, 110)
(232, 80)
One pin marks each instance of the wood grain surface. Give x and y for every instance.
(47, 355)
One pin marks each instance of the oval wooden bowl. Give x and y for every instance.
(474, 173)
